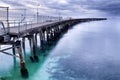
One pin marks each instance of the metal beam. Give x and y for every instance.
(8, 48)
(9, 54)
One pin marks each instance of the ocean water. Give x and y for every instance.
(88, 51)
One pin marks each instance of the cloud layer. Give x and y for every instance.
(88, 8)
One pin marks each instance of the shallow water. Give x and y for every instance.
(88, 51)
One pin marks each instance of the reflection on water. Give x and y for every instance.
(88, 51)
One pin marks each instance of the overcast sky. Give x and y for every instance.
(74, 8)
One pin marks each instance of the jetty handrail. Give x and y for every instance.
(3, 28)
(20, 26)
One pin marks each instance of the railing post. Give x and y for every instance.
(8, 20)
(19, 27)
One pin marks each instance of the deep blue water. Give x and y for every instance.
(88, 51)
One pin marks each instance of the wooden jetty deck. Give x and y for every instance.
(47, 32)
(28, 28)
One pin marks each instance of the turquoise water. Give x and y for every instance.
(88, 51)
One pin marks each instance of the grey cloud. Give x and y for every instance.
(12, 3)
(110, 7)
(107, 6)
(73, 6)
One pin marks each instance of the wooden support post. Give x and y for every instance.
(60, 31)
(40, 37)
(47, 36)
(30, 42)
(62, 28)
(35, 39)
(41, 40)
(33, 47)
(51, 35)
(23, 44)
(24, 71)
(35, 55)
(43, 36)
(13, 50)
(55, 34)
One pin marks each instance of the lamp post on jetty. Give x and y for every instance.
(37, 12)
